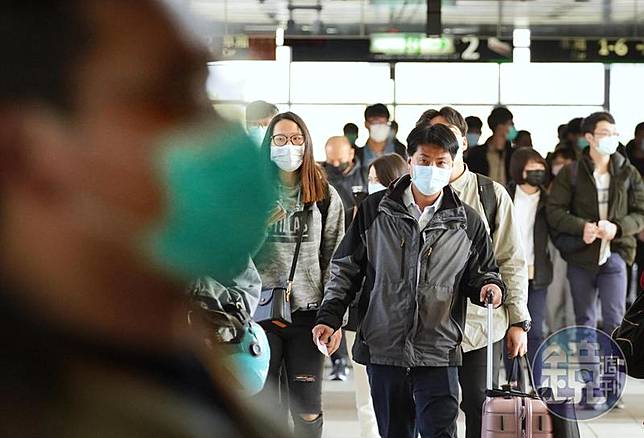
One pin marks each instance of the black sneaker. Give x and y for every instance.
(340, 371)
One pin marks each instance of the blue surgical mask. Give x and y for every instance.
(289, 157)
(582, 143)
(473, 139)
(376, 187)
(210, 227)
(257, 133)
(430, 179)
(608, 145)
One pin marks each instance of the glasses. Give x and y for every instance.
(605, 134)
(281, 140)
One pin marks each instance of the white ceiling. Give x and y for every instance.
(400, 12)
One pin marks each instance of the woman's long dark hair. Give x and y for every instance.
(312, 177)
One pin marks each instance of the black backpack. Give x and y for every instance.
(630, 338)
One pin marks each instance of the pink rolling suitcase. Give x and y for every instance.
(509, 413)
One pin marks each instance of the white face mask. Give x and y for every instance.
(379, 132)
(376, 187)
(289, 157)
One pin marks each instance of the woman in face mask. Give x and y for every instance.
(385, 170)
(529, 173)
(308, 210)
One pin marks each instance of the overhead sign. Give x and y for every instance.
(392, 47)
(410, 44)
(240, 47)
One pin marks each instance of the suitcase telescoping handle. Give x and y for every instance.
(490, 355)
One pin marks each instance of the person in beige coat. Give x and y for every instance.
(512, 320)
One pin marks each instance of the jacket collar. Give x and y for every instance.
(451, 208)
(615, 166)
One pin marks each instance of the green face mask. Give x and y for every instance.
(512, 134)
(582, 143)
(220, 190)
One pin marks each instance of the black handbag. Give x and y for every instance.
(564, 416)
(274, 308)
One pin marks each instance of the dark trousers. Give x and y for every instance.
(404, 399)
(609, 284)
(294, 354)
(472, 379)
(537, 308)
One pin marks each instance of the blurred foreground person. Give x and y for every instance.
(115, 192)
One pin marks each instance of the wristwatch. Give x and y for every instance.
(525, 325)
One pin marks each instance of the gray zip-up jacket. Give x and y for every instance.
(312, 270)
(412, 306)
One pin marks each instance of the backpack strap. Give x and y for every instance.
(488, 200)
(323, 206)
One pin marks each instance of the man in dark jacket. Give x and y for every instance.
(345, 174)
(379, 143)
(418, 252)
(493, 158)
(597, 205)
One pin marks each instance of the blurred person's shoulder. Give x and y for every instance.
(57, 385)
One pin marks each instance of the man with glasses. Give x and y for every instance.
(600, 200)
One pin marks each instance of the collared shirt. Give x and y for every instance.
(422, 216)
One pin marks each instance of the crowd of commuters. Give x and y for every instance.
(121, 186)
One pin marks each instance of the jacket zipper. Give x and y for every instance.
(402, 259)
(429, 253)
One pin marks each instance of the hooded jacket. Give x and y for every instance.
(412, 306)
(573, 204)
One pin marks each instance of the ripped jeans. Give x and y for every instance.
(303, 364)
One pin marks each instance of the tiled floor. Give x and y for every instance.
(341, 421)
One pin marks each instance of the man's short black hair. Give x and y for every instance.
(590, 123)
(377, 110)
(499, 116)
(473, 122)
(452, 116)
(574, 126)
(639, 128)
(436, 135)
(41, 43)
(260, 109)
(350, 128)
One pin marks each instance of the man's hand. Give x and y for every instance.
(606, 230)
(497, 295)
(517, 342)
(327, 336)
(590, 233)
